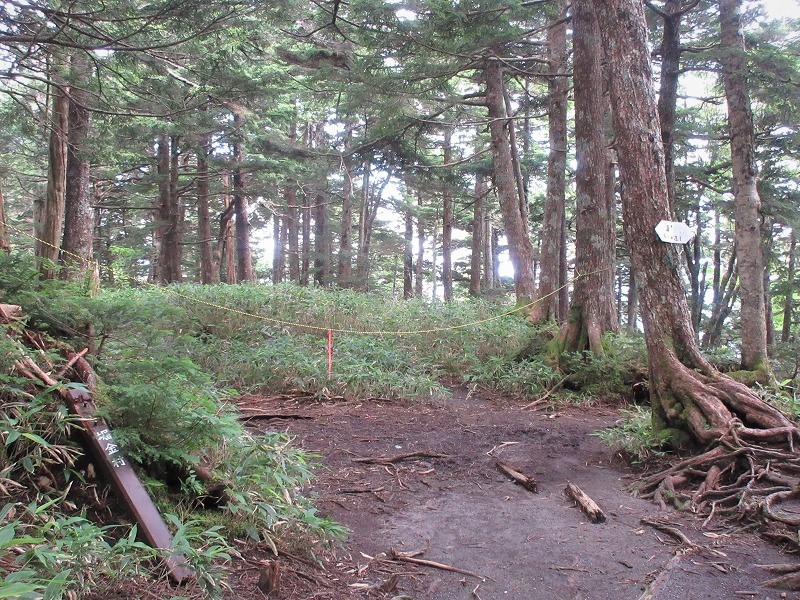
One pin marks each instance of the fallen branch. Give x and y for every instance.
(516, 476)
(387, 460)
(402, 557)
(73, 359)
(586, 504)
(669, 530)
(543, 399)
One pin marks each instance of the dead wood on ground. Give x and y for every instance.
(517, 476)
(388, 460)
(585, 503)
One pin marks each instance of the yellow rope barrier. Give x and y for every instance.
(319, 328)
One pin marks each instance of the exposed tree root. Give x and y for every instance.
(737, 479)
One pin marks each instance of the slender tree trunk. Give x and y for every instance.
(209, 270)
(279, 247)
(362, 252)
(447, 225)
(747, 201)
(227, 239)
(76, 247)
(670, 51)
(345, 272)
(592, 312)
(690, 398)
(49, 212)
(292, 231)
(419, 271)
(726, 294)
(305, 253)
(244, 257)
(5, 244)
(633, 302)
(788, 303)
(476, 243)
(553, 228)
(408, 256)
(322, 241)
(505, 181)
(159, 269)
(171, 242)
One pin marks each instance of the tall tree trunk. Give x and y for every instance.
(476, 243)
(592, 312)
(670, 51)
(227, 239)
(633, 302)
(244, 257)
(520, 248)
(279, 247)
(76, 247)
(419, 271)
(690, 398)
(725, 296)
(5, 244)
(362, 252)
(447, 225)
(408, 256)
(48, 215)
(322, 241)
(161, 213)
(305, 252)
(788, 302)
(209, 270)
(747, 201)
(553, 228)
(345, 270)
(170, 211)
(292, 231)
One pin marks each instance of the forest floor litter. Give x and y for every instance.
(434, 513)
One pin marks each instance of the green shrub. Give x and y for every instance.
(633, 435)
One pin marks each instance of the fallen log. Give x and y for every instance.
(517, 476)
(585, 503)
(10, 312)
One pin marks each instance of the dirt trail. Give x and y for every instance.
(466, 514)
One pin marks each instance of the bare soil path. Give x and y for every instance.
(451, 501)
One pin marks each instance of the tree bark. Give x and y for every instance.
(48, 216)
(747, 201)
(209, 270)
(447, 225)
(690, 399)
(592, 312)
(76, 247)
(419, 271)
(170, 212)
(244, 257)
(305, 251)
(505, 181)
(548, 298)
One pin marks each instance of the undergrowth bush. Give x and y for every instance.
(633, 436)
(613, 372)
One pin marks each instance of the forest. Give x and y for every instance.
(319, 264)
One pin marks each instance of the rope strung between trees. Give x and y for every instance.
(317, 328)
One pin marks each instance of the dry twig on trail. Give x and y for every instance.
(539, 401)
(517, 476)
(585, 503)
(388, 460)
(404, 557)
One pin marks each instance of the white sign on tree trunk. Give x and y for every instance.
(674, 232)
